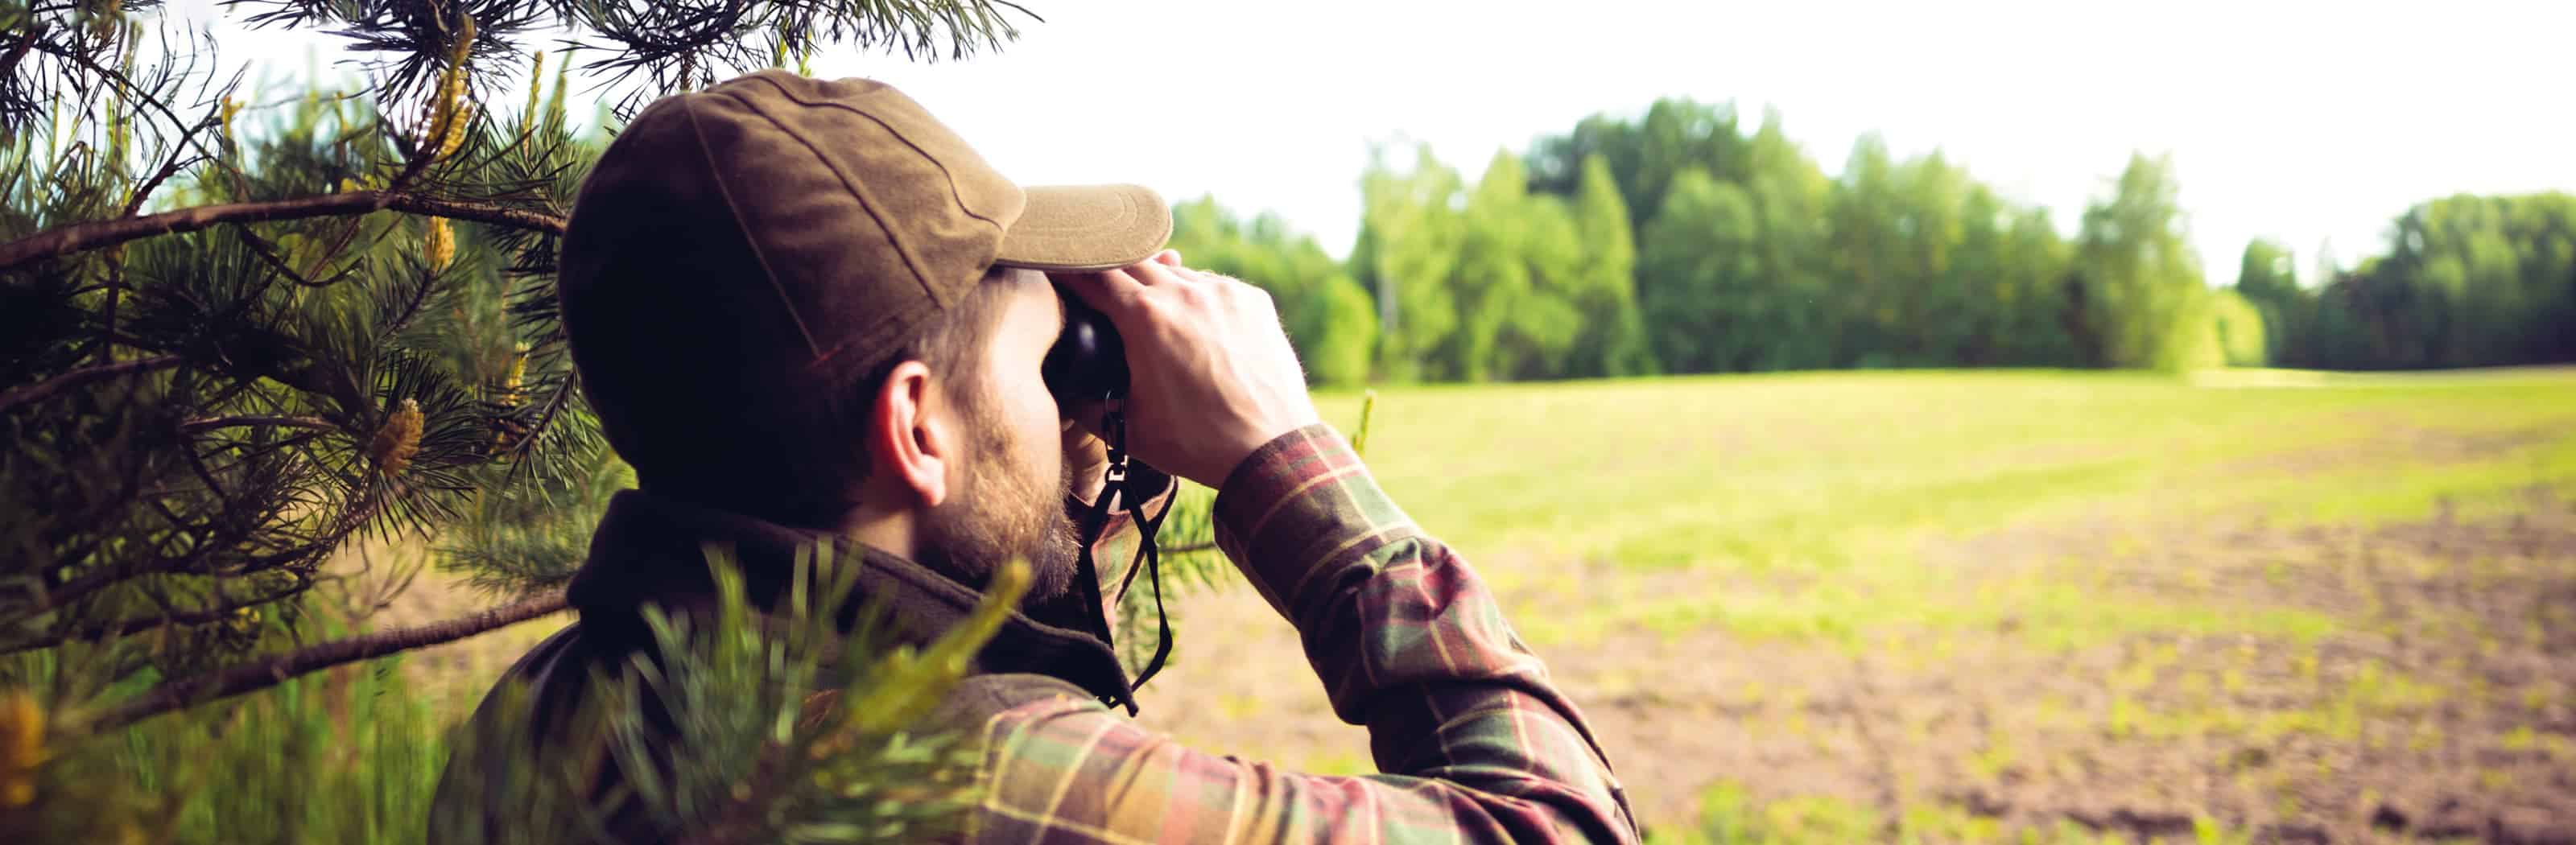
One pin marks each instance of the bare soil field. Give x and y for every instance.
(2442, 706)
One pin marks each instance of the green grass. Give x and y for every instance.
(1837, 479)
(349, 755)
(2057, 616)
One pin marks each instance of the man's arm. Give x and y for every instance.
(1474, 743)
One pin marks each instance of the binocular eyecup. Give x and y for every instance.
(1087, 363)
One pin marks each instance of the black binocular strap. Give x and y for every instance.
(1152, 552)
(1087, 573)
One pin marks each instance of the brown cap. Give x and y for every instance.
(733, 244)
(858, 214)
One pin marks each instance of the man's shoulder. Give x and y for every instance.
(525, 713)
(554, 672)
(545, 679)
(979, 700)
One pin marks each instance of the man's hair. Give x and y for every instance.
(791, 451)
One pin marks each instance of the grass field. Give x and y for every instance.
(2260, 606)
(2248, 606)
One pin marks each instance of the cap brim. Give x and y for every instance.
(1086, 227)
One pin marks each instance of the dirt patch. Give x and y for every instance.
(2396, 445)
(2440, 702)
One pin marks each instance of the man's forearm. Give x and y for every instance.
(1405, 637)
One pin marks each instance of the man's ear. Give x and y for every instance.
(912, 439)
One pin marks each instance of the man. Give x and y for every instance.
(805, 309)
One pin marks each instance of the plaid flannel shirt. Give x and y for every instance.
(1473, 741)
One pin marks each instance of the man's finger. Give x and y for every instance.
(1153, 273)
(1168, 258)
(1106, 291)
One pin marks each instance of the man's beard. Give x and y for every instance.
(1001, 512)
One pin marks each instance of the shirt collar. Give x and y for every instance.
(652, 549)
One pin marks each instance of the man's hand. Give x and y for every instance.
(1211, 376)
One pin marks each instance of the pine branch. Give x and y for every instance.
(254, 677)
(17, 396)
(134, 91)
(17, 52)
(315, 423)
(100, 234)
(138, 624)
(43, 599)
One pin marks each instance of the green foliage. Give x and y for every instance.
(2141, 285)
(1771, 265)
(2267, 278)
(1740, 254)
(745, 725)
(2242, 340)
(239, 332)
(312, 380)
(1644, 157)
(1613, 334)
(1328, 315)
(1697, 275)
(1410, 233)
(1800, 307)
(1747, 257)
(1498, 281)
(1730, 815)
(345, 756)
(2467, 281)
(828, 722)
(1517, 273)
(2267, 273)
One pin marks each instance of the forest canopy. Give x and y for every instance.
(1687, 240)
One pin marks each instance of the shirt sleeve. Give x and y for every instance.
(1473, 742)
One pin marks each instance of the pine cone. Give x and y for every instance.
(398, 440)
(438, 247)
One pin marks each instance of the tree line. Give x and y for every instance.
(2466, 281)
(1684, 241)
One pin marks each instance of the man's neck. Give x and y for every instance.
(893, 532)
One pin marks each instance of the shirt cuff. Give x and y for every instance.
(1300, 508)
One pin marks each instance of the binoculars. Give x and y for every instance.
(1087, 363)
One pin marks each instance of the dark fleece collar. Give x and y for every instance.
(649, 549)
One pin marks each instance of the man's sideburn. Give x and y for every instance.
(1000, 511)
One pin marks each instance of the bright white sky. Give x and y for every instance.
(2301, 121)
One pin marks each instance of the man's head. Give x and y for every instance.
(809, 301)
(973, 441)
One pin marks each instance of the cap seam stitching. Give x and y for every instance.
(867, 204)
(734, 210)
(899, 136)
